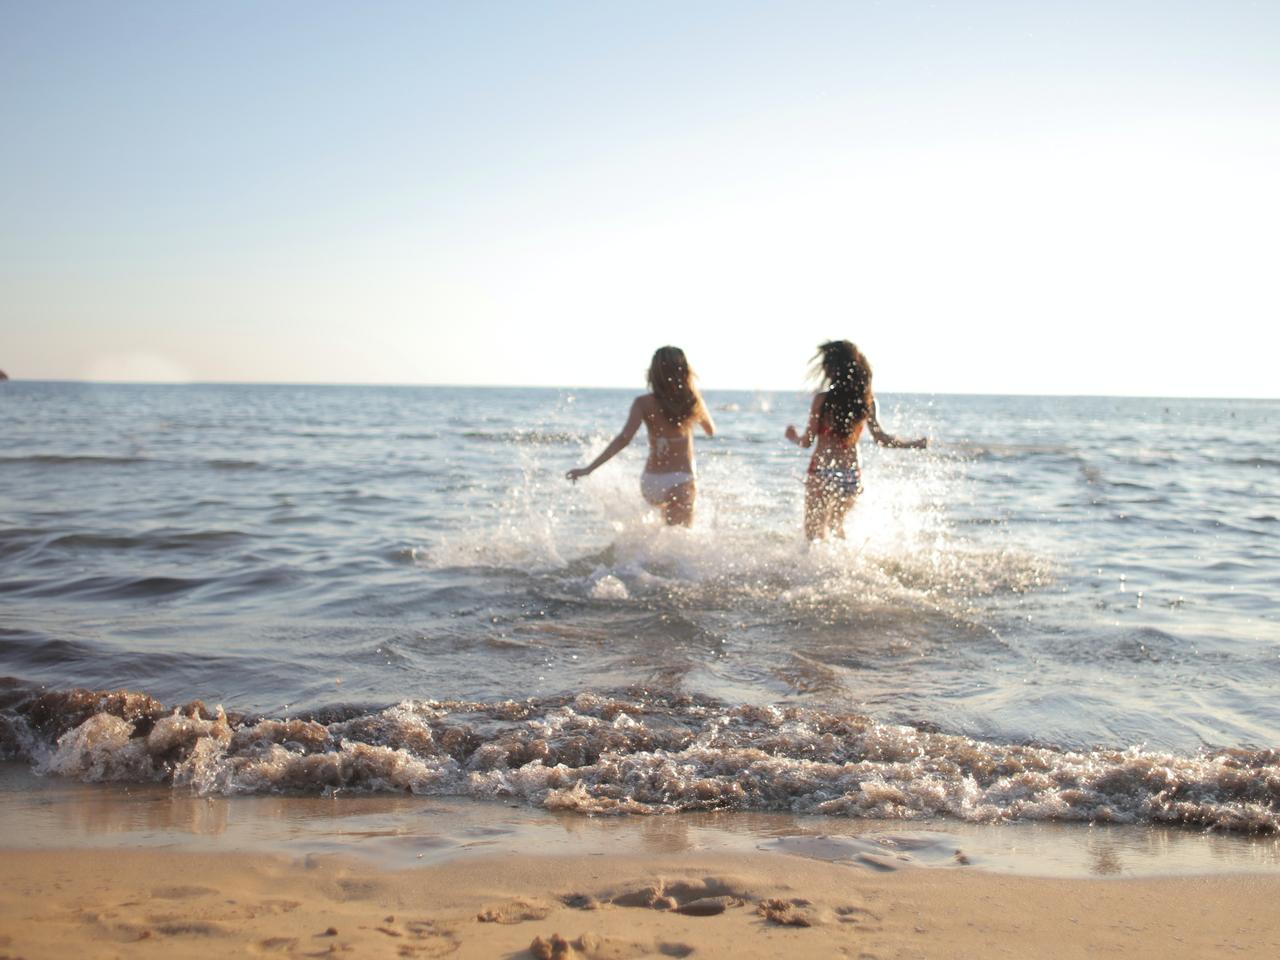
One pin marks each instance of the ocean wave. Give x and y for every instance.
(64, 459)
(59, 458)
(1000, 452)
(25, 650)
(635, 752)
(163, 539)
(109, 587)
(526, 437)
(1257, 462)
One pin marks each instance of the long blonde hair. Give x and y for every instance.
(671, 380)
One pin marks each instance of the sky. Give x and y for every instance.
(987, 197)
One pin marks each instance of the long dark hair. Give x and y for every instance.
(845, 373)
(671, 380)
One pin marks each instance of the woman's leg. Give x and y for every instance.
(816, 508)
(677, 509)
(840, 504)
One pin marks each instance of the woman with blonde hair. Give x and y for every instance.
(669, 412)
(843, 405)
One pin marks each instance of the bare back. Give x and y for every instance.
(670, 444)
(831, 449)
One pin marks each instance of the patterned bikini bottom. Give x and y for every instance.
(843, 481)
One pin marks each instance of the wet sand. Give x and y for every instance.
(102, 871)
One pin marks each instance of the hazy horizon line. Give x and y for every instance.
(598, 387)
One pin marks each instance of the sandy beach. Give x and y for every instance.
(137, 903)
(108, 871)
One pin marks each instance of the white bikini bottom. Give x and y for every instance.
(658, 487)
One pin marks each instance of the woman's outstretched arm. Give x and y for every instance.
(886, 439)
(704, 418)
(810, 431)
(615, 445)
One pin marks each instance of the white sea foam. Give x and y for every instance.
(645, 754)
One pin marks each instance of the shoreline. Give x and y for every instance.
(97, 870)
(390, 831)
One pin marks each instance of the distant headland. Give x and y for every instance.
(3, 375)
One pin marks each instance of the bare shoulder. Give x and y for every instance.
(642, 408)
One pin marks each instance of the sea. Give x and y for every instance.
(1066, 609)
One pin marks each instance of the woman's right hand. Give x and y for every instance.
(792, 435)
(575, 473)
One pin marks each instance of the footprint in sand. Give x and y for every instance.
(181, 892)
(354, 889)
(120, 931)
(866, 920)
(785, 913)
(191, 928)
(852, 914)
(515, 911)
(695, 898)
(275, 945)
(708, 906)
(276, 906)
(591, 947)
(417, 938)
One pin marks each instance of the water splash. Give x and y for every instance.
(746, 543)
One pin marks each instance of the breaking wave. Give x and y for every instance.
(634, 752)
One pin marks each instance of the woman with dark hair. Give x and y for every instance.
(669, 412)
(843, 405)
